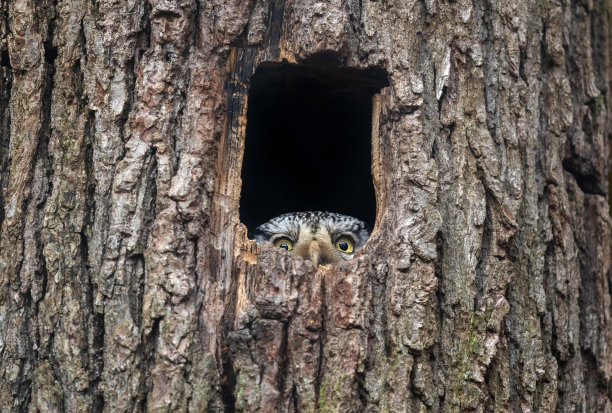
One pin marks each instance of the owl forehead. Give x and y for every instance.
(298, 222)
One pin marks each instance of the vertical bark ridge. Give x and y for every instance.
(5, 118)
(24, 191)
(74, 346)
(141, 224)
(115, 39)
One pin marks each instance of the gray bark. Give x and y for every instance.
(127, 281)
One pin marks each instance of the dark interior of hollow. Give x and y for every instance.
(308, 143)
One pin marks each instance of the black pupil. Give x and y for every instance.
(284, 245)
(343, 245)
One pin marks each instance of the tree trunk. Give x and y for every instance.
(127, 282)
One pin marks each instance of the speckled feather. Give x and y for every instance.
(299, 225)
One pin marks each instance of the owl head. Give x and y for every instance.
(324, 237)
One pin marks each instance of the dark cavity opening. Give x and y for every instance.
(308, 142)
(5, 59)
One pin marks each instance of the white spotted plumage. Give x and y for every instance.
(315, 231)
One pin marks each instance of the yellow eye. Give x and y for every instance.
(345, 245)
(283, 243)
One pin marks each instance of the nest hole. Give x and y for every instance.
(308, 142)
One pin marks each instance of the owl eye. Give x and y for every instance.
(283, 243)
(345, 245)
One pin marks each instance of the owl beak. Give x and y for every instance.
(315, 252)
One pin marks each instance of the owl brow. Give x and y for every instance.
(351, 235)
(285, 232)
(266, 234)
(342, 232)
(276, 237)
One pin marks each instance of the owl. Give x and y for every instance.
(324, 237)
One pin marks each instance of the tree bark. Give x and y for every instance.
(127, 282)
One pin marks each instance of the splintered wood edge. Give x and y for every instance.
(245, 257)
(377, 159)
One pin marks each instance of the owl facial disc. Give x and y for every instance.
(324, 237)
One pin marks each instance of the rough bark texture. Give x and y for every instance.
(127, 282)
